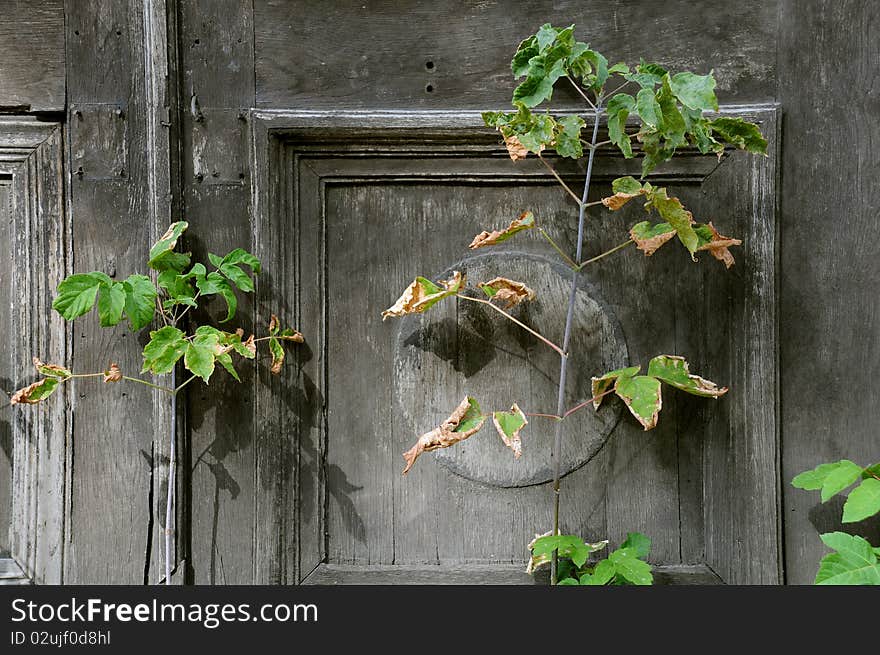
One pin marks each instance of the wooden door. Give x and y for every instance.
(343, 145)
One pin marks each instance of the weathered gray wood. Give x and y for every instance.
(11, 573)
(387, 54)
(499, 574)
(117, 65)
(367, 206)
(32, 73)
(7, 384)
(217, 89)
(30, 162)
(830, 355)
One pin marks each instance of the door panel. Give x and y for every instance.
(351, 206)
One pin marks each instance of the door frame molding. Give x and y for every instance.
(742, 496)
(31, 155)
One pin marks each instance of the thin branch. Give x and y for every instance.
(559, 179)
(520, 323)
(586, 402)
(578, 88)
(539, 415)
(149, 384)
(161, 311)
(611, 93)
(606, 253)
(190, 379)
(568, 260)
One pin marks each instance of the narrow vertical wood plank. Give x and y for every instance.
(217, 89)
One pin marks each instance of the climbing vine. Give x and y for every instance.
(663, 112)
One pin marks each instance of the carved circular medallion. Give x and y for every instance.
(462, 348)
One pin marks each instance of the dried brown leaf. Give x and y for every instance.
(51, 370)
(508, 292)
(292, 335)
(250, 345)
(445, 434)
(719, 245)
(650, 245)
(526, 221)
(515, 149)
(619, 199)
(422, 294)
(34, 393)
(273, 323)
(113, 373)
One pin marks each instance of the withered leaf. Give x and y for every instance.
(113, 373)
(423, 294)
(648, 238)
(515, 148)
(34, 393)
(674, 370)
(601, 384)
(51, 370)
(273, 324)
(507, 292)
(715, 243)
(526, 221)
(289, 334)
(508, 425)
(625, 189)
(465, 421)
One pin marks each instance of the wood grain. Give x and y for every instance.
(386, 54)
(829, 310)
(32, 68)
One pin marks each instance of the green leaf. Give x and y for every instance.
(202, 352)
(178, 287)
(539, 134)
(34, 393)
(52, 370)
(140, 300)
(872, 471)
(568, 582)
(225, 360)
(166, 346)
(695, 91)
(619, 68)
(863, 501)
(839, 478)
(618, 109)
(277, 352)
(162, 256)
(814, 479)
(472, 418)
(854, 563)
(229, 267)
(642, 396)
(628, 185)
(111, 302)
(672, 124)
(508, 426)
(603, 383)
(246, 349)
(76, 294)
(648, 108)
(567, 140)
(674, 371)
(602, 574)
(214, 283)
(740, 133)
(646, 75)
(673, 212)
(567, 545)
(628, 565)
(640, 544)
(526, 50)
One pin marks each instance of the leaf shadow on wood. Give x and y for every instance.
(826, 517)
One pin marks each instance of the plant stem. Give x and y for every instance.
(559, 179)
(189, 379)
(520, 323)
(587, 402)
(563, 365)
(149, 384)
(568, 260)
(606, 253)
(581, 91)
